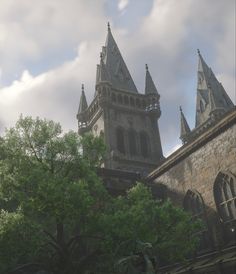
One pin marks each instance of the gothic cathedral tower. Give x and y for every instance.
(126, 119)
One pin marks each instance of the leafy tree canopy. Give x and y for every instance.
(57, 216)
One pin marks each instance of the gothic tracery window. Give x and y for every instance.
(225, 196)
(132, 142)
(225, 199)
(202, 106)
(194, 204)
(120, 139)
(144, 144)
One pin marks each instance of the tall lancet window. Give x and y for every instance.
(225, 199)
(132, 136)
(120, 140)
(194, 204)
(144, 144)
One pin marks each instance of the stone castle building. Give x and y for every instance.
(200, 176)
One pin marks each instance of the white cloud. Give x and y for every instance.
(122, 4)
(166, 39)
(53, 94)
(30, 33)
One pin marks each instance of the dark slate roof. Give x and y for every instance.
(150, 87)
(83, 102)
(208, 86)
(119, 75)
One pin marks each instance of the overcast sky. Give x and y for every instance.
(48, 48)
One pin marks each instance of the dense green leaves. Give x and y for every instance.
(57, 214)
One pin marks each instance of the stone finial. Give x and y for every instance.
(82, 87)
(146, 66)
(108, 26)
(198, 51)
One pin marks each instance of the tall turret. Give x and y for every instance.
(81, 115)
(208, 87)
(125, 118)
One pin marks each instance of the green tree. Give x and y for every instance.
(143, 229)
(46, 179)
(57, 215)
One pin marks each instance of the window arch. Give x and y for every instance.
(131, 101)
(132, 137)
(126, 100)
(138, 103)
(202, 106)
(194, 204)
(225, 196)
(120, 99)
(120, 140)
(113, 97)
(144, 144)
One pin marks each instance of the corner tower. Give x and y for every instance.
(125, 118)
(212, 102)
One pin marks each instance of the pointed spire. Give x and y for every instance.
(108, 26)
(212, 102)
(184, 127)
(102, 73)
(119, 75)
(83, 102)
(150, 87)
(209, 88)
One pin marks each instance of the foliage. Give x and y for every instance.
(19, 239)
(139, 218)
(57, 215)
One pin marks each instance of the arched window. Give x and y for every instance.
(126, 100)
(132, 142)
(120, 139)
(113, 97)
(143, 104)
(131, 101)
(202, 106)
(138, 104)
(120, 101)
(225, 196)
(144, 144)
(194, 204)
(225, 199)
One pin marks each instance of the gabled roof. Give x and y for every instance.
(150, 87)
(206, 79)
(119, 75)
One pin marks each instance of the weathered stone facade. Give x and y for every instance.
(200, 176)
(195, 168)
(125, 118)
(197, 164)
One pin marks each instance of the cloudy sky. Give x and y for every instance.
(48, 48)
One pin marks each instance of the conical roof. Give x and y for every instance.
(184, 127)
(206, 79)
(150, 87)
(119, 75)
(83, 102)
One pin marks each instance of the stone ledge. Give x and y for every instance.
(187, 149)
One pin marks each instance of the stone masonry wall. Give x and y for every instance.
(199, 170)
